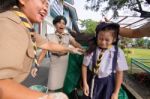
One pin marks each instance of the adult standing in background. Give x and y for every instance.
(58, 60)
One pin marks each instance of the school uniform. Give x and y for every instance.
(58, 61)
(16, 49)
(104, 81)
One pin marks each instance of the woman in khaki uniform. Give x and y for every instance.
(17, 49)
(58, 60)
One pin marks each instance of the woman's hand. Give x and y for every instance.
(76, 50)
(34, 72)
(57, 95)
(114, 96)
(86, 89)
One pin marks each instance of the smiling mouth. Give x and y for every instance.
(61, 28)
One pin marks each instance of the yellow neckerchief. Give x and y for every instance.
(98, 61)
(60, 36)
(26, 23)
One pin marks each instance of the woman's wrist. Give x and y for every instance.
(69, 49)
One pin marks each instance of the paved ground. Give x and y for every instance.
(41, 78)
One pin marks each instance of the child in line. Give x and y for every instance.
(103, 64)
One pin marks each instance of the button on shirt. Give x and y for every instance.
(105, 68)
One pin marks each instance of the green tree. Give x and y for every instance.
(116, 5)
(140, 42)
(89, 25)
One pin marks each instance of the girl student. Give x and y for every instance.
(103, 64)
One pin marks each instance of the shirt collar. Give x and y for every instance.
(112, 48)
(61, 34)
(10, 14)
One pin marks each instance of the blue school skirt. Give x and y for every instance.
(103, 87)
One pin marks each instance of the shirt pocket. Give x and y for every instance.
(30, 51)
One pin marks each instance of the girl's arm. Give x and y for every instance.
(84, 74)
(84, 77)
(118, 82)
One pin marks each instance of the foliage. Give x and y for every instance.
(140, 42)
(89, 25)
(116, 5)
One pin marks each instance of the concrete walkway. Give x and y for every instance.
(41, 78)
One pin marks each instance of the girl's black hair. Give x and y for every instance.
(7, 4)
(103, 27)
(58, 19)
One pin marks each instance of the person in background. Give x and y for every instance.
(58, 60)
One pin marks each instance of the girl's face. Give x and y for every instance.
(60, 26)
(35, 10)
(105, 39)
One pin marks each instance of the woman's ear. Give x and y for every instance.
(22, 2)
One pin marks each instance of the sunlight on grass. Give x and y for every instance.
(137, 53)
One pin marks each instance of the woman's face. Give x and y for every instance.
(35, 10)
(60, 26)
(105, 39)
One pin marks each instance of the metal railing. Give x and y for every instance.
(139, 62)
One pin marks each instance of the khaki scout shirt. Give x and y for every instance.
(64, 39)
(16, 50)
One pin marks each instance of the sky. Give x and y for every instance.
(97, 16)
(85, 14)
(88, 14)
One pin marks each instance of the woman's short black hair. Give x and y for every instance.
(7, 4)
(58, 19)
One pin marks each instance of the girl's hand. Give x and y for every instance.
(86, 89)
(114, 96)
(34, 72)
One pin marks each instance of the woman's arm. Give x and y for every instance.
(143, 31)
(41, 56)
(54, 47)
(76, 44)
(131, 33)
(10, 89)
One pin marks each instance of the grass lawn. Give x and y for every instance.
(138, 53)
